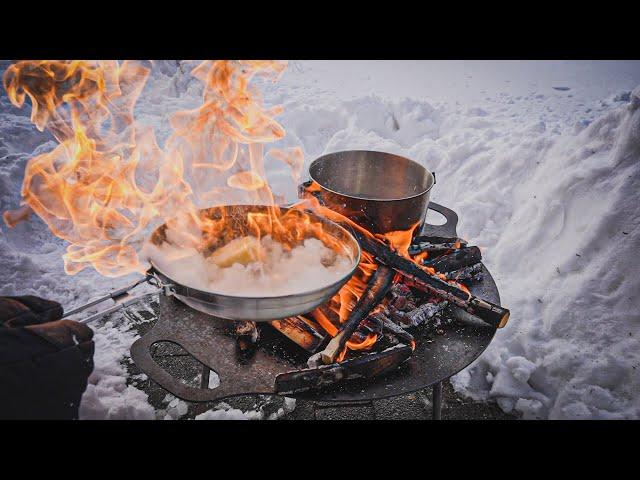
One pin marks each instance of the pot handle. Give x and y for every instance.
(303, 187)
(448, 229)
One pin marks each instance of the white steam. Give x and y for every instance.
(307, 267)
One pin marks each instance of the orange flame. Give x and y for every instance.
(345, 300)
(108, 183)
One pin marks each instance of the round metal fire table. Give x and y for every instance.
(436, 358)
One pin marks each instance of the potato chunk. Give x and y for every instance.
(242, 250)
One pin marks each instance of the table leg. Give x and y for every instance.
(437, 401)
(206, 372)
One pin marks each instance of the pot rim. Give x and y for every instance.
(347, 195)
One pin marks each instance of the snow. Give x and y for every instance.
(107, 395)
(223, 411)
(541, 161)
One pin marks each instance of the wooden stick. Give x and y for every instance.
(301, 331)
(377, 288)
(490, 313)
(365, 366)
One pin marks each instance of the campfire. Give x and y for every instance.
(401, 283)
(109, 183)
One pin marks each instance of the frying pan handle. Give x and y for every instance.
(448, 229)
(121, 298)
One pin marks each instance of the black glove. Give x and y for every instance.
(28, 310)
(44, 362)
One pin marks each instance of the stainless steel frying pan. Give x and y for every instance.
(238, 307)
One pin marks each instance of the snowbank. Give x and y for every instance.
(108, 396)
(545, 180)
(552, 198)
(566, 259)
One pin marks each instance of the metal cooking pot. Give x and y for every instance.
(380, 191)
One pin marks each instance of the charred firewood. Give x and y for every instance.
(435, 245)
(474, 272)
(464, 257)
(400, 290)
(400, 303)
(247, 335)
(301, 331)
(395, 315)
(371, 324)
(365, 366)
(377, 288)
(423, 313)
(490, 313)
(400, 295)
(416, 315)
(393, 328)
(402, 298)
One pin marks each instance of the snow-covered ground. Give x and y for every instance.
(540, 159)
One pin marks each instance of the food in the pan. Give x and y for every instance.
(252, 267)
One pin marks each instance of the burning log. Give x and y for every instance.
(301, 331)
(490, 313)
(377, 288)
(435, 245)
(365, 366)
(369, 326)
(464, 257)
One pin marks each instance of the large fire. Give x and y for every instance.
(108, 182)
